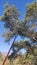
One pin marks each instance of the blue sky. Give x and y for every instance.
(21, 5)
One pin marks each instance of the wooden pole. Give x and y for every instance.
(9, 50)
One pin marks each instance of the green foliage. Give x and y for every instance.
(26, 29)
(21, 60)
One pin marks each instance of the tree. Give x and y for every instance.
(1, 56)
(26, 28)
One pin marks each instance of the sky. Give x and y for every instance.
(21, 5)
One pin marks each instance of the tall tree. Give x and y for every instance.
(26, 28)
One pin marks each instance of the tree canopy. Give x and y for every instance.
(26, 28)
